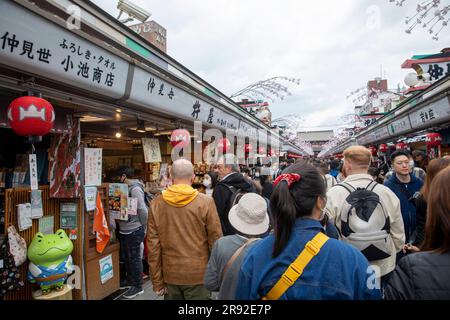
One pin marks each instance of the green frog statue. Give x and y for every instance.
(50, 260)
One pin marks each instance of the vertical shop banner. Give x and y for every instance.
(92, 167)
(65, 162)
(152, 152)
(118, 200)
(68, 214)
(33, 172)
(106, 269)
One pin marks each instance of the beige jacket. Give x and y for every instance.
(335, 200)
(180, 240)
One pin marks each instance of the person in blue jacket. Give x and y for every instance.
(339, 271)
(406, 187)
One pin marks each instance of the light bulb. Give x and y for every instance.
(118, 135)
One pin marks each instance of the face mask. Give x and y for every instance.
(207, 183)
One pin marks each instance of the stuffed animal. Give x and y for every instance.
(50, 260)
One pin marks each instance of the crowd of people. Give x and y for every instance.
(313, 229)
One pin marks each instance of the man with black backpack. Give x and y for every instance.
(367, 214)
(232, 186)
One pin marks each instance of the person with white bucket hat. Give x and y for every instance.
(250, 219)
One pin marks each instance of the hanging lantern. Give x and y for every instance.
(180, 138)
(248, 148)
(31, 116)
(401, 146)
(433, 140)
(382, 149)
(224, 145)
(373, 150)
(261, 150)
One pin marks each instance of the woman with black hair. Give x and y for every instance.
(299, 261)
(209, 182)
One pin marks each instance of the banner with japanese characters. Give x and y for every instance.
(149, 89)
(45, 48)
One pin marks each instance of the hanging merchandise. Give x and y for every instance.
(50, 260)
(17, 246)
(36, 204)
(24, 216)
(9, 273)
(434, 142)
(180, 138)
(65, 162)
(31, 116)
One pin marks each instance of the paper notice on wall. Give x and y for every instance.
(90, 197)
(33, 172)
(92, 166)
(106, 269)
(152, 152)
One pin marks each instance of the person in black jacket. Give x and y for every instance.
(425, 275)
(231, 182)
(434, 167)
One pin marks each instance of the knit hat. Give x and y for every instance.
(250, 215)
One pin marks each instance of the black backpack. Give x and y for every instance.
(365, 223)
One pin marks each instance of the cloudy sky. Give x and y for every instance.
(334, 47)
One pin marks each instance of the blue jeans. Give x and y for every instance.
(131, 247)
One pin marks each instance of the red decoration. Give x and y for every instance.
(373, 150)
(401, 146)
(224, 145)
(180, 138)
(272, 153)
(433, 140)
(248, 148)
(31, 116)
(382, 149)
(261, 150)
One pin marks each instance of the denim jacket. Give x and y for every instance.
(338, 272)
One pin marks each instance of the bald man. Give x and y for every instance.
(183, 225)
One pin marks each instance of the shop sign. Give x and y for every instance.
(399, 126)
(34, 44)
(150, 90)
(431, 114)
(380, 133)
(436, 71)
(246, 130)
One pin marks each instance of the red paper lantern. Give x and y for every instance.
(248, 148)
(31, 116)
(433, 140)
(180, 138)
(401, 146)
(223, 145)
(382, 149)
(373, 150)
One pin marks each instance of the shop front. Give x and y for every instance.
(112, 109)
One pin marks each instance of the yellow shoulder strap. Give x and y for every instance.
(295, 270)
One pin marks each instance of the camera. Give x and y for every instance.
(133, 10)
